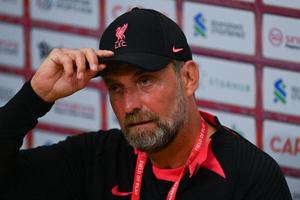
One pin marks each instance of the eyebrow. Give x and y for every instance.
(108, 81)
(140, 72)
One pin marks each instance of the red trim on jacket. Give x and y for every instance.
(205, 158)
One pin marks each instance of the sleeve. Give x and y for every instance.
(37, 173)
(260, 177)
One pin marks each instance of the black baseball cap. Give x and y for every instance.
(145, 38)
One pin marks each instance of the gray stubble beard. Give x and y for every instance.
(155, 139)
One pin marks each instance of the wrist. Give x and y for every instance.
(39, 91)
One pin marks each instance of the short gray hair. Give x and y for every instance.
(177, 65)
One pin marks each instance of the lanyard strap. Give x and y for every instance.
(142, 158)
(139, 170)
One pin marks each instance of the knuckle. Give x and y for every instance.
(88, 49)
(79, 54)
(91, 50)
(67, 59)
(55, 51)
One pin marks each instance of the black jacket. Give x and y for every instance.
(89, 165)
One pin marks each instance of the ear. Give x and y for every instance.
(190, 77)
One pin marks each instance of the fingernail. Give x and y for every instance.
(108, 52)
(80, 75)
(94, 67)
(101, 66)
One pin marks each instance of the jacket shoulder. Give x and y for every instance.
(252, 173)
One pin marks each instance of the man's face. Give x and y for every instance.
(150, 106)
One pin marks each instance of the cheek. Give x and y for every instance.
(161, 100)
(118, 110)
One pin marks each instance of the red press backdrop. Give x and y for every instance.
(248, 54)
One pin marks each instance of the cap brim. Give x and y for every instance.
(147, 62)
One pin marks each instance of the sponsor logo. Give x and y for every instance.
(285, 145)
(9, 47)
(292, 42)
(120, 35)
(282, 142)
(83, 6)
(175, 50)
(228, 84)
(115, 191)
(277, 38)
(280, 94)
(218, 27)
(295, 93)
(75, 110)
(279, 91)
(44, 4)
(199, 27)
(44, 49)
(227, 29)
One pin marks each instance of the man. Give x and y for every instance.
(166, 148)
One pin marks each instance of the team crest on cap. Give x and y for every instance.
(120, 34)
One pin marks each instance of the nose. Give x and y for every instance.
(132, 100)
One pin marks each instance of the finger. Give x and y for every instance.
(89, 74)
(69, 52)
(91, 58)
(67, 62)
(62, 57)
(80, 61)
(101, 67)
(104, 53)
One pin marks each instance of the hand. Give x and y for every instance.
(64, 72)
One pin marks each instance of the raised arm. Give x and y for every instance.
(62, 73)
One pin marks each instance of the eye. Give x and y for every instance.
(145, 81)
(115, 88)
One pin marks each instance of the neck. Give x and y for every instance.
(174, 155)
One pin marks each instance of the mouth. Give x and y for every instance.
(135, 124)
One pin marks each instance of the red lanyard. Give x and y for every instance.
(142, 158)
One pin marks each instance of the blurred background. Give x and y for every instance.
(248, 54)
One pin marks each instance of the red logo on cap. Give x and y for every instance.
(175, 50)
(120, 36)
